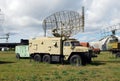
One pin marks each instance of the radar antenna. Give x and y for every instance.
(111, 30)
(64, 23)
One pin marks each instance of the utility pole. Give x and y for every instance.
(83, 17)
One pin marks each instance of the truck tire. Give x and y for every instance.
(46, 59)
(62, 60)
(37, 58)
(117, 54)
(18, 56)
(75, 60)
(88, 58)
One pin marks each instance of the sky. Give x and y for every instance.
(23, 18)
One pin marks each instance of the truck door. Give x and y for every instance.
(67, 48)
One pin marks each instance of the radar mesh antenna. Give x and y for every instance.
(64, 23)
(110, 30)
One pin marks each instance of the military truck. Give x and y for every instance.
(57, 49)
(114, 47)
(21, 51)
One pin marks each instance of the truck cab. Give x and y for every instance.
(73, 46)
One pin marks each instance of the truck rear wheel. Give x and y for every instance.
(76, 60)
(46, 59)
(18, 56)
(117, 54)
(37, 58)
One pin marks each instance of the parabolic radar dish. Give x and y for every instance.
(64, 23)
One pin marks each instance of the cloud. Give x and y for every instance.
(100, 14)
(26, 16)
(26, 21)
(1, 21)
(98, 10)
(31, 13)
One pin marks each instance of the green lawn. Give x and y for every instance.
(103, 68)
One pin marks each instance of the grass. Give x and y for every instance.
(103, 68)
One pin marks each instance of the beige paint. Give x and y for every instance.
(51, 45)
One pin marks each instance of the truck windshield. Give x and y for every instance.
(75, 43)
(113, 40)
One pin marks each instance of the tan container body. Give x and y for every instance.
(52, 46)
(44, 45)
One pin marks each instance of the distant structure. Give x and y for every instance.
(109, 35)
(1, 17)
(7, 46)
(3, 36)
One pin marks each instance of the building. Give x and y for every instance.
(7, 46)
(103, 43)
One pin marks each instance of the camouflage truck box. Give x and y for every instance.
(22, 51)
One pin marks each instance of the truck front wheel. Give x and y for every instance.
(46, 59)
(75, 60)
(37, 58)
